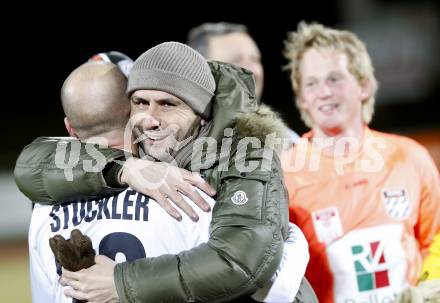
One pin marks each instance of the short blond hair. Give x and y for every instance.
(316, 35)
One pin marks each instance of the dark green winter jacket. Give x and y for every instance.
(249, 220)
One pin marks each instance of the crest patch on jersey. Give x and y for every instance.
(396, 202)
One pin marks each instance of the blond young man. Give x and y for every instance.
(366, 201)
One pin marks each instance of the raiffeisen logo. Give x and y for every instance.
(370, 266)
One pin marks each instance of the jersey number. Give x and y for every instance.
(124, 243)
(115, 243)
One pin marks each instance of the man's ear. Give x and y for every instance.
(366, 90)
(70, 129)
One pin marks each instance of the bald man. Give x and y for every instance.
(85, 117)
(97, 110)
(128, 225)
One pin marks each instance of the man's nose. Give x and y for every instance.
(324, 91)
(151, 119)
(150, 122)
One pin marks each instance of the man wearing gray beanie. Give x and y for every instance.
(177, 69)
(182, 98)
(176, 99)
(176, 83)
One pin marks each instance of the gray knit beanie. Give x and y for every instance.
(177, 69)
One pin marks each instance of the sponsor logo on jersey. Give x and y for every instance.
(396, 202)
(327, 223)
(370, 265)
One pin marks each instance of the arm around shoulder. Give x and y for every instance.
(63, 169)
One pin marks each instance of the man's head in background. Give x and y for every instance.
(124, 62)
(230, 43)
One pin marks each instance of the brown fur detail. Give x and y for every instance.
(261, 123)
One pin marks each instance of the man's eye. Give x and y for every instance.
(139, 102)
(168, 104)
(334, 78)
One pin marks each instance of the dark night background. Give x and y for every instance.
(49, 47)
(43, 42)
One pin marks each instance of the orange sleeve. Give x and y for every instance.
(428, 223)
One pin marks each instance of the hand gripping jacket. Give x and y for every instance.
(246, 241)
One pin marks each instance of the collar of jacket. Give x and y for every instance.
(235, 106)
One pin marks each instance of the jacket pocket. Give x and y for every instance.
(242, 194)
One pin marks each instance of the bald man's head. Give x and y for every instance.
(94, 101)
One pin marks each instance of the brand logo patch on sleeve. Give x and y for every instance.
(239, 197)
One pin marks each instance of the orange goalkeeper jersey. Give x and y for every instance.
(368, 217)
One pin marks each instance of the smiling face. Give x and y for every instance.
(329, 93)
(162, 121)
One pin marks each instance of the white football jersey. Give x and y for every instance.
(123, 227)
(130, 226)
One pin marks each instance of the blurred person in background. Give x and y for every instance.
(122, 61)
(368, 202)
(231, 43)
